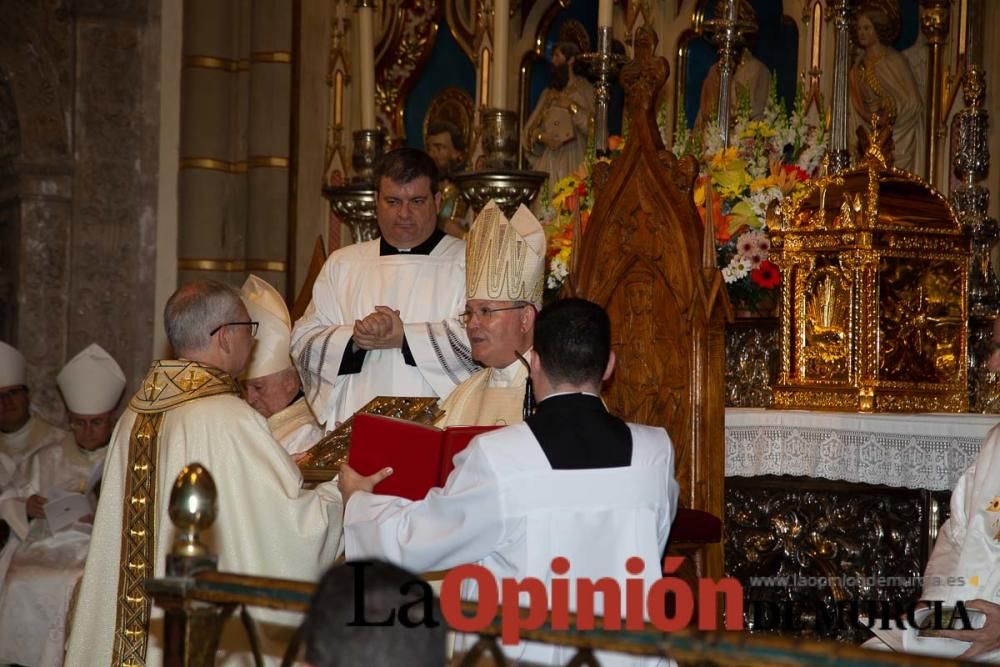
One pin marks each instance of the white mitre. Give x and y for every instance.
(274, 335)
(91, 382)
(505, 259)
(11, 366)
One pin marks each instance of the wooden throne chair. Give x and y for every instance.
(648, 259)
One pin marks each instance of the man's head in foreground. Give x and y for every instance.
(207, 322)
(505, 270)
(381, 589)
(15, 399)
(91, 384)
(406, 197)
(572, 349)
(270, 380)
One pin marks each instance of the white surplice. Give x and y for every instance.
(428, 290)
(295, 427)
(39, 569)
(266, 524)
(505, 508)
(16, 447)
(491, 397)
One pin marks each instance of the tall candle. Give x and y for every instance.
(366, 30)
(501, 41)
(817, 35)
(604, 14)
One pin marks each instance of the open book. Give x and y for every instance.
(64, 508)
(420, 455)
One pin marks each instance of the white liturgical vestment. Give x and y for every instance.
(295, 427)
(493, 396)
(266, 524)
(39, 568)
(428, 290)
(525, 514)
(16, 447)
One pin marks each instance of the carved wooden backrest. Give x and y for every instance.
(645, 257)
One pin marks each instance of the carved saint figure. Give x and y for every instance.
(881, 81)
(555, 136)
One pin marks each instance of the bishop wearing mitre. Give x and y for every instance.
(504, 277)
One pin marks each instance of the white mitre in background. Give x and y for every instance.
(91, 382)
(11, 366)
(265, 305)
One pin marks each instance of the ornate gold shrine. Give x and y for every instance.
(875, 267)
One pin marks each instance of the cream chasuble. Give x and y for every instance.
(295, 427)
(16, 447)
(39, 569)
(267, 525)
(428, 290)
(493, 396)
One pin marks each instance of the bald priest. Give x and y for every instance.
(504, 276)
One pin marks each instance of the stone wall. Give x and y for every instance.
(79, 126)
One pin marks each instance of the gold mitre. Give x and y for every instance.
(505, 259)
(265, 305)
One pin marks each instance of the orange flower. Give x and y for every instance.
(722, 232)
(615, 142)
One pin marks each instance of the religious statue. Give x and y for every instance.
(555, 136)
(751, 80)
(881, 81)
(447, 136)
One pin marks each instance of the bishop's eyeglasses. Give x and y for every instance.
(253, 327)
(486, 314)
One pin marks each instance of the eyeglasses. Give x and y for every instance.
(486, 314)
(253, 327)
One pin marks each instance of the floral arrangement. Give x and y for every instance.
(768, 160)
(566, 206)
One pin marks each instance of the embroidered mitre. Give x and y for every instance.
(505, 259)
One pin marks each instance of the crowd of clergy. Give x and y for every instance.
(417, 312)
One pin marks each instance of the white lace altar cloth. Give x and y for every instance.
(916, 451)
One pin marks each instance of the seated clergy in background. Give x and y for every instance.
(43, 559)
(271, 382)
(21, 432)
(189, 410)
(571, 481)
(504, 276)
(382, 317)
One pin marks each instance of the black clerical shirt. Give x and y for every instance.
(577, 432)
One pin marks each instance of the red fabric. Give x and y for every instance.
(695, 526)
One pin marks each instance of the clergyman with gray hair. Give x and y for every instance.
(189, 410)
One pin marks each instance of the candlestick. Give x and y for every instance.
(501, 40)
(366, 31)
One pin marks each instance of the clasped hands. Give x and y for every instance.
(380, 330)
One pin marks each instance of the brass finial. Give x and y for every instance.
(192, 509)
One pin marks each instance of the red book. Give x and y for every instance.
(419, 455)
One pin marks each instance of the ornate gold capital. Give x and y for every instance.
(935, 19)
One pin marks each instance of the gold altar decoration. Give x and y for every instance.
(322, 462)
(874, 314)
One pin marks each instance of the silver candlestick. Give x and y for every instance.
(355, 203)
(729, 35)
(840, 156)
(605, 65)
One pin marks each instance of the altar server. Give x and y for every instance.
(571, 481)
(383, 317)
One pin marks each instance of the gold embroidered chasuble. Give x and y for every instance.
(168, 384)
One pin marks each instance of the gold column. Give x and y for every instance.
(212, 183)
(934, 22)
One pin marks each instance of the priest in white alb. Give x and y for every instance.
(271, 382)
(504, 277)
(383, 317)
(44, 557)
(190, 410)
(572, 481)
(21, 432)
